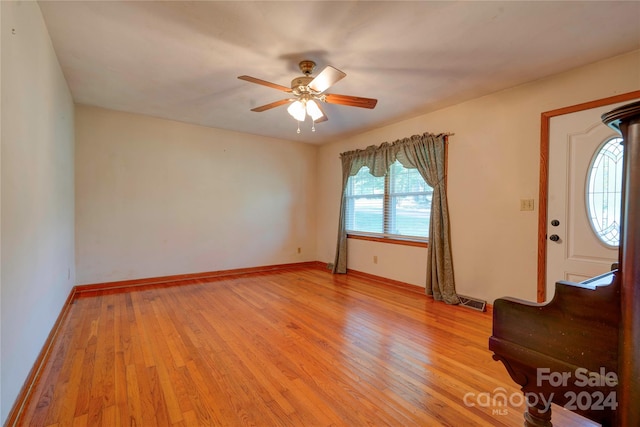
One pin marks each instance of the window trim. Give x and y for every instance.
(382, 239)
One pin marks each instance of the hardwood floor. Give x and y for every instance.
(297, 347)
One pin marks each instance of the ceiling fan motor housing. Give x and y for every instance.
(299, 84)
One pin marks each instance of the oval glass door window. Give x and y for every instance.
(604, 192)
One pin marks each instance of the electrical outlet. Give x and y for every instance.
(375, 259)
(527, 204)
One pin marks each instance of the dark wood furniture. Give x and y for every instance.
(582, 349)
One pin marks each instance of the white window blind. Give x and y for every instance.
(397, 205)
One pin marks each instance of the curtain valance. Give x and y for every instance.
(378, 158)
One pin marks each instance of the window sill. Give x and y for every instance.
(388, 240)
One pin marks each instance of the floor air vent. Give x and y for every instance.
(473, 303)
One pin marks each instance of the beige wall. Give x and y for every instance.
(156, 197)
(37, 193)
(493, 163)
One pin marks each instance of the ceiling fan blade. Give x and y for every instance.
(351, 101)
(265, 83)
(271, 105)
(327, 78)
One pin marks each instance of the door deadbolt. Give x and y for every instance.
(555, 223)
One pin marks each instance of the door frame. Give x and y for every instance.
(545, 122)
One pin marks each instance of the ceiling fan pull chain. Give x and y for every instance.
(313, 126)
(298, 126)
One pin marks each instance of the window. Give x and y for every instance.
(397, 205)
(604, 192)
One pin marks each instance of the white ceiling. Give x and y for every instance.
(180, 60)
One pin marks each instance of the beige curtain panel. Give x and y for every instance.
(425, 153)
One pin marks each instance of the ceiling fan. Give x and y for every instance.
(307, 90)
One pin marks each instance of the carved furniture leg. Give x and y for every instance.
(537, 416)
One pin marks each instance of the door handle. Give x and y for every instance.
(554, 237)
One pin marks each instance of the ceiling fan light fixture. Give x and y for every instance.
(313, 110)
(297, 110)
